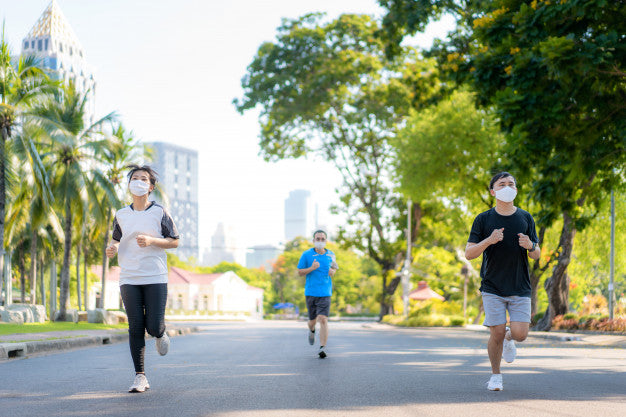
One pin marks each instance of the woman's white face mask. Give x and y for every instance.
(138, 188)
(506, 194)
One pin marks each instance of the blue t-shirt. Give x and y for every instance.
(318, 282)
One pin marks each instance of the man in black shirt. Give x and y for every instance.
(505, 235)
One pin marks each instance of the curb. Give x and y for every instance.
(582, 339)
(21, 350)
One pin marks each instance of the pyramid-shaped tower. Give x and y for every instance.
(53, 41)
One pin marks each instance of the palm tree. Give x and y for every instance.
(122, 151)
(30, 213)
(73, 152)
(20, 84)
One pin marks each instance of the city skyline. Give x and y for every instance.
(131, 46)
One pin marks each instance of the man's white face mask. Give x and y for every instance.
(138, 188)
(506, 194)
(320, 245)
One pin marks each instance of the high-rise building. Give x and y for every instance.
(262, 256)
(297, 216)
(177, 168)
(53, 41)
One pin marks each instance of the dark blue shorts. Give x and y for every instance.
(317, 306)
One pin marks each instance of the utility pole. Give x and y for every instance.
(406, 272)
(612, 274)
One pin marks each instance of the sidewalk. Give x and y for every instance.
(578, 339)
(25, 344)
(572, 339)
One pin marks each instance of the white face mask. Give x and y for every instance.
(320, 245)
(506, 194)
(138, 188)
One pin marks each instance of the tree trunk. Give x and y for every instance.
(481, 310)
(22, 269)
(42, 285)
(4, 136)
(105, 261)
(557, 286)
(33, 268)
(386, 306)
(85, 287)
(64, 296)
(78, 294)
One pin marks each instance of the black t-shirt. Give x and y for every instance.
(504, 270)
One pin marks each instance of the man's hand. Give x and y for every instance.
(332, 272)
(524, 241)
(315, 265)
(496, 236)
(144, 241)
(111, 250)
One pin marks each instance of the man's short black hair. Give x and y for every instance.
(320, 231)
(499, 175)
(152, 174)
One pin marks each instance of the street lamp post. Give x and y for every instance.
(406, 272)
(612, 274)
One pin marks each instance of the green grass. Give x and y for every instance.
(7, 328)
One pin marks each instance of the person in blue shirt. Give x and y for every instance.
(319, 265)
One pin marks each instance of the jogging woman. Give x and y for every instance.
(141, 233)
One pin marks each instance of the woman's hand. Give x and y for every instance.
(144, 241)
(111, 250)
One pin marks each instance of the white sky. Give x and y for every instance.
(171, 70)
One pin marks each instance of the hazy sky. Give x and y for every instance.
(171, 70)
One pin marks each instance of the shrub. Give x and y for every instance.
(457, 321)
(537, 317)
(594, 322)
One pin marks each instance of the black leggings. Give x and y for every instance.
(145, 308)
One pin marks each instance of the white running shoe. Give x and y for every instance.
(163, 344)
(322, 352)
(495, 383)
(509, 351)
(140, 384)
(311, 337)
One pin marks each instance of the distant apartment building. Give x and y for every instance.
(53, 41)
(298, 216)
(262, 256)
(178, 178)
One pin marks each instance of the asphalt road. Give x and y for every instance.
(268, 369)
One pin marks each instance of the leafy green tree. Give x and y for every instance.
(71, 149)
(554, 73)
(326, 89)
(590, 266)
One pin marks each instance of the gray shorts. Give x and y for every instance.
(496, 307)
(317, 306)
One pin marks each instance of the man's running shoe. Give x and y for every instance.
(322, 352)
(140, 384)
(509, 351)
(495, 383)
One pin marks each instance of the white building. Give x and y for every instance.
(191, 293)
(53, 41)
